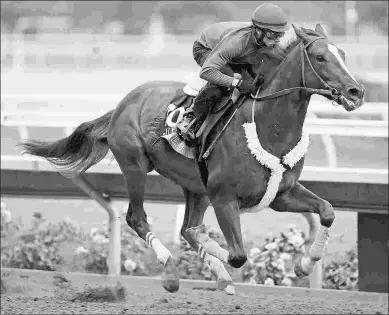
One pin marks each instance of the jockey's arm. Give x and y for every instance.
(221, 55)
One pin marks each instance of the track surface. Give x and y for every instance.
(34, 292)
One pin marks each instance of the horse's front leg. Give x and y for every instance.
(227, 214)
(192, 229)
(299, 199)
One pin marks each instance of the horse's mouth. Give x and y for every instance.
(348, 104)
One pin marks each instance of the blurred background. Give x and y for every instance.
(139, 34)
(74, 60)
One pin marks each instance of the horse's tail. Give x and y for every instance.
(86, 146)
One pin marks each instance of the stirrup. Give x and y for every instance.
(189, 111)
(187, 133)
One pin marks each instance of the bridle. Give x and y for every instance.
(329, 91)
(334, 92)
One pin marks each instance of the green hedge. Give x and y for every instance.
(64, 245)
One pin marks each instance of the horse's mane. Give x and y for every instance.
(287, 43)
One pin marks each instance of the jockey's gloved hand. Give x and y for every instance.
(246, 87)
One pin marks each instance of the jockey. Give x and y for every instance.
(224, 46)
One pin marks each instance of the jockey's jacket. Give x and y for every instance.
(231, 43)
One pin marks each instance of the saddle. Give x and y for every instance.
(176, 121)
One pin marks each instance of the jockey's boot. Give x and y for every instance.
(202, 104)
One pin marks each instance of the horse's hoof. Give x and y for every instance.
(230, 290)
(170, 279)
(222, 284)
(298, 270)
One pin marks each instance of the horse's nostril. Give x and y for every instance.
(354, 92)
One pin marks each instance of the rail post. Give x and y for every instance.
(180, 213)
(114, 265)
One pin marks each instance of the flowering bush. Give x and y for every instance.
(41, 247)
(9, 229)
(272, 263)
(95, 252)
(38, 247)
(342, 275)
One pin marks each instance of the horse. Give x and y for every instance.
(256, 161)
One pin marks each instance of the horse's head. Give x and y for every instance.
(324, 65)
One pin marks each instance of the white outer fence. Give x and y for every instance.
(65, 104)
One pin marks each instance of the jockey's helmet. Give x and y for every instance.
(271, 17)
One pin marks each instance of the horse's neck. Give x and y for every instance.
(282, 118)
(288, 75)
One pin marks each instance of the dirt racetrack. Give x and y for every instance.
(38, 292)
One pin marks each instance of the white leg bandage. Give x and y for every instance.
(161, 251)
(214, 264)
(211, 247)
(319, 245)
(317, 250)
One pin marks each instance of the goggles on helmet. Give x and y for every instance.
(268, 33)
(273, 35)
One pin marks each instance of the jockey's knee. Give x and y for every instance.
(206, 98)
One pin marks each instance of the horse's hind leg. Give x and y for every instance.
(196, 205)
(135, 165)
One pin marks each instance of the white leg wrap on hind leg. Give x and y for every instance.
(319, 245)
(161, 251)
(211, 247)
(214, 264)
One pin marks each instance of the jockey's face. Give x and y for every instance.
(269, 38)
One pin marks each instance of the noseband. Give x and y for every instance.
(328, 91)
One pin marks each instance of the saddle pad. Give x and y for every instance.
(179, 144)
(170, 134)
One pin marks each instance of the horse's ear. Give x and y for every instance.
(320, 30)
(301, 34)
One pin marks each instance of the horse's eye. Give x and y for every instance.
(320, 58)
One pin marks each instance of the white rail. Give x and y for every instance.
(326, 128)
(67, 103)
(316, 107)
(322, 126)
